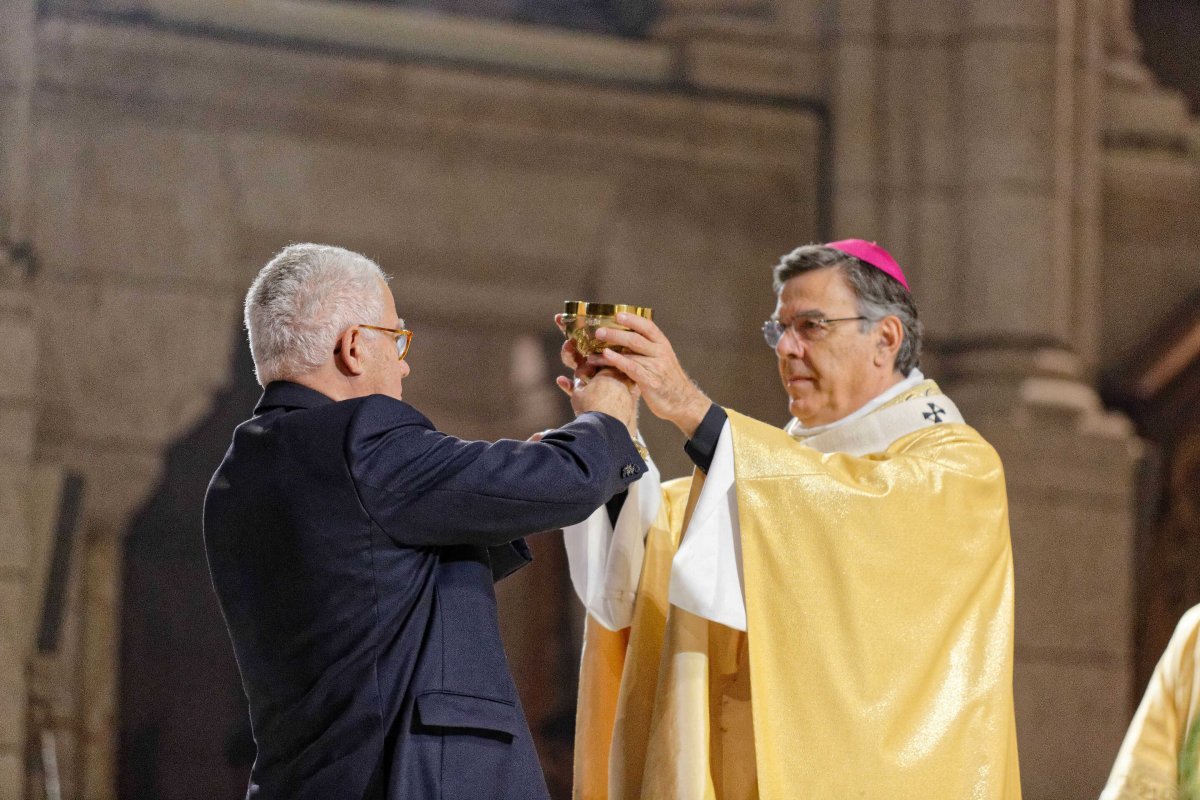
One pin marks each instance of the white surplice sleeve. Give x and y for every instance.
(606, 561)
(706, 574)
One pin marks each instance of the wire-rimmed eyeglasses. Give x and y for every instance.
(809, 329)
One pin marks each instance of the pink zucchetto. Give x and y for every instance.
(873, 254)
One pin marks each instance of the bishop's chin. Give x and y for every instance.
(801, 411)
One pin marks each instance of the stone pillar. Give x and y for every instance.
(1030, 136)
(855, 101)
(18, 365)
(17, 603)
(1021, 356)
(896, 99)
(16, 89)
(1150, 177)
(968, 142)
(966, 139)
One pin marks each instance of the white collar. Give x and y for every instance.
(800, 432)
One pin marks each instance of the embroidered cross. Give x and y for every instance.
(934, 413)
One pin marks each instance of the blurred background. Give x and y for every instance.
(1033, 164)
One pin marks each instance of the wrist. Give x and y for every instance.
(692, 414)
(641, 448)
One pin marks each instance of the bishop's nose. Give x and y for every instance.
(790, 345)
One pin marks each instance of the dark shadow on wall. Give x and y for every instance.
(1169, 30)
(184, 727)
(1158, 386)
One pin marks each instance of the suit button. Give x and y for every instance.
(628, 471)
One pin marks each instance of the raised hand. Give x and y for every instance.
(606, 390)
(651, 363)
(570, 355)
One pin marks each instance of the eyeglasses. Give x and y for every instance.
(808, 329)
(401, 336)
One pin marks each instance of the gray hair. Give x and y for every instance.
(878, 294)
(302, 300)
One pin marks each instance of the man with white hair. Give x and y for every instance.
(822, 611)
(353, 548)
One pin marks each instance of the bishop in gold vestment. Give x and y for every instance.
(824, 611)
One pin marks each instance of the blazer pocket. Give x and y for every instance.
(443, 709)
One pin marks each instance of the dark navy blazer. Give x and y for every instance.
(353, 550)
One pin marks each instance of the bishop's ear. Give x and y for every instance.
(349, 352)
(890, 333)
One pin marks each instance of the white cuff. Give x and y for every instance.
(706, 574)
(606, 563)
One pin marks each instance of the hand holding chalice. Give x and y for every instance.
(639, 351)
(579, 323)
(581, 320)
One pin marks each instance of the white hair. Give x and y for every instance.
(302, 300)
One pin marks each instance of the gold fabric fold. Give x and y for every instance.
(1160, 757)
(877, 660)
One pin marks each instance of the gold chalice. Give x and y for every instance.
(581, 319)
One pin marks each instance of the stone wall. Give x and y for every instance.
(170, 166)
(1012, 155)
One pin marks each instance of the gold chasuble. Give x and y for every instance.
(1160, 758)
(877, 657)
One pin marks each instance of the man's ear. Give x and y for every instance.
(349, 353)
(891, 336)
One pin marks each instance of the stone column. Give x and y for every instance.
(1020, 354)
(1150, 175)
(17, 603)
(969, 139)
(18, 365)
(16, 90)
(855, 101)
